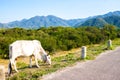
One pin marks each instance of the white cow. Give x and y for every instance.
(26, 48)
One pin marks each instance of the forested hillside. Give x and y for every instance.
(57, 38)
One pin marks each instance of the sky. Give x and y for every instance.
(11, 10)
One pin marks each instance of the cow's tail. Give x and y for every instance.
(9, 68)
(10, 64)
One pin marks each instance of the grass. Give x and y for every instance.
(60, 61)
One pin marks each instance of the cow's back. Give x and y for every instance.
(14, 49)
(23, 48)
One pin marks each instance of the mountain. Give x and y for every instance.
(39, 21)
(50, 20)
(1, 24)
(73, 22)
(95, 22)
(115, 13)
(42, 21)
(112, 18)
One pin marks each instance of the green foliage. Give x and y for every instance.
(110, 31)
(57, 38)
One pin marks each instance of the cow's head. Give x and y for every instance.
(47, 59)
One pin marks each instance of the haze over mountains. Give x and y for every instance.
(50, 20)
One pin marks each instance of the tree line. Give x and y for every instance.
(57, 38)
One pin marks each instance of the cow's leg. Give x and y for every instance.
(36, 61)
(14, 63)
(30, 61)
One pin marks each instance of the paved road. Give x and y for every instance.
(104, 67)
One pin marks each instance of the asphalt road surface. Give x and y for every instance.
(105, 67)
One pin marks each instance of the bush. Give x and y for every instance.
(57, 38)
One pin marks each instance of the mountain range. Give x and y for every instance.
(112, 18)
(50, 20)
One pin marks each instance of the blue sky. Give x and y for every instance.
(11, 10)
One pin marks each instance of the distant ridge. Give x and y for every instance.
(1, 24)
(50, 20)
(112, 18)
(39, 21)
